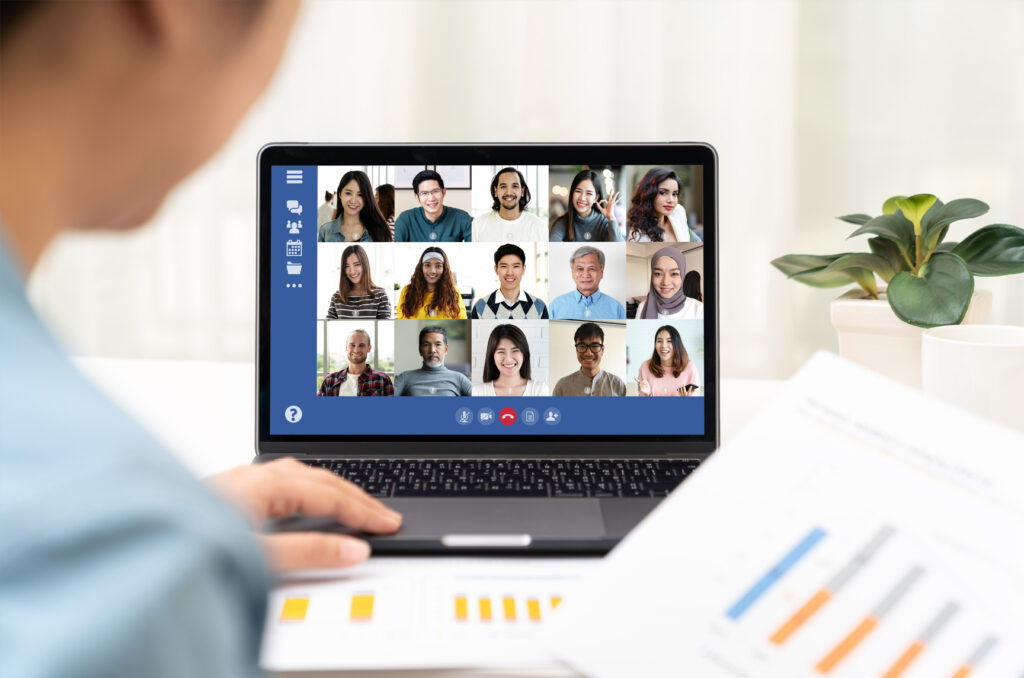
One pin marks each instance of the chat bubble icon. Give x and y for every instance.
(294, 206)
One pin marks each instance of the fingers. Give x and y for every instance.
(292, 487)
(313, 550)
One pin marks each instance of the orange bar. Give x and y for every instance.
(904, 661)
(802, 615)
(847, 644)
(362, 607)
(485, 609)
(963, 671)
(555, 600)
(509, 606)
(294, 609)
(533, 609)
(461, 608)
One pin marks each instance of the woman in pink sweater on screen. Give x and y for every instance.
(669, 371)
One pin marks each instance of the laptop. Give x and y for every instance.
(492, 339)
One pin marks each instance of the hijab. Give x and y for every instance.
(655, 303)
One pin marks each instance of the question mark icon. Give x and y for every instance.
(293, 414)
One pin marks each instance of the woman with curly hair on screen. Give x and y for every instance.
(431, 292)
(655, 213)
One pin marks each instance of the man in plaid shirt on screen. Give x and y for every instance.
(366, 381)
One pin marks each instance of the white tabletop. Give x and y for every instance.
(204, 412)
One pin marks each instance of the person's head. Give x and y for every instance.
(587, 266)
(433, 274)
(433, 345)
(385, 197)
(589, 341)
(355, 272)
(429, 189)
(584, 193)
(508, 353)
(654, 198)
(355, 201)
(691, 286)
(184, 74)
(667, 268)
(669, 353)
(358, 347)
(509, 265)
(509, 190)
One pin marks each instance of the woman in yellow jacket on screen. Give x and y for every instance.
(431, 292)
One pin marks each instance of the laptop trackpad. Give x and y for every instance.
(434, 518)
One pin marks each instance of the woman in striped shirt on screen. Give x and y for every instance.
(357, 296)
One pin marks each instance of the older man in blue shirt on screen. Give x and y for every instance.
(587, 301)
(114, 561)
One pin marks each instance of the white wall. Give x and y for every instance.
(816, 109)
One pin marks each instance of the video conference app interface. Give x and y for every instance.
(487, 300)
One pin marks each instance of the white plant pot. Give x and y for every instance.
(871, 335)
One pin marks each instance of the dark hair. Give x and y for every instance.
(523, 201)
(370, 217)
(691, 286)
(426, 175)
(13, 14)
(345, 287)
(680, 359)
(641, 220)
(588, 330)
(434, 329)
(507, 249)
(386, 200)
(446, 299)
(570, 214)
(516, 336)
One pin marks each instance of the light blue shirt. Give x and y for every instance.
(575, 306)
(114, 560)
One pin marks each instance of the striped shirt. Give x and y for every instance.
(374, 305)
(495, 306)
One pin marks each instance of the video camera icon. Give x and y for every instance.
(485, 416)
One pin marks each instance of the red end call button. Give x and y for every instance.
(507, 416)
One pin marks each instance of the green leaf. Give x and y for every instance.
(894, 227)
(791, 264)
(859, 219)
(890, 206)
(954, 210)
(862, 260)
(932, 240)
(888, 250)
(993, 250)
(946, 246)
(938, 295)
(915, 206)
(821, 277)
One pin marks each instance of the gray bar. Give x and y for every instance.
(940, 620)
(979, 655)
(861, 559)
(904, 585)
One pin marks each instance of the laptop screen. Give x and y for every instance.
(499, 297)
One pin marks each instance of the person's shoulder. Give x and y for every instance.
(459, 213)
(336, 296)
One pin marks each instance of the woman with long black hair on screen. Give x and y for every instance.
(357, 296)
(590, 217)
(358, 218)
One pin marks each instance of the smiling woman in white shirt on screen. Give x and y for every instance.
(507, 366)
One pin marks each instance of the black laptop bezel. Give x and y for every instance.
(447, 446)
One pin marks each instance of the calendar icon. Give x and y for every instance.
(293, 248)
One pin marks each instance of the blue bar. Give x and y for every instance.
(774, 574)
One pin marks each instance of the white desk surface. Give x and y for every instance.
(204, 412)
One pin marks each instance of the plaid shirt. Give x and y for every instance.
(369, 383)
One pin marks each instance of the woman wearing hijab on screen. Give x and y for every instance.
(359, 218)
(357, 296)
(507, 365)
(666, 297)
(655, 213)
(669, 371)
(431, 292)
(590, 218)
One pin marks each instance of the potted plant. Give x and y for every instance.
(929, 282)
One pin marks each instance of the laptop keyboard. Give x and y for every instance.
(512, 477)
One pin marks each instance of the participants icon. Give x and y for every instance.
(552, 416)
(294, 227)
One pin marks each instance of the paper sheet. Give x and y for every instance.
(854, 528)
(396, 613)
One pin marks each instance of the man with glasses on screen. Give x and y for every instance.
(365, 380)
(432, 221)
(433, 379)
(508, 219)
(590, 379)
